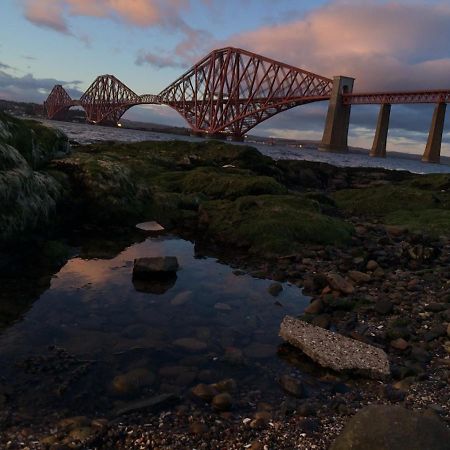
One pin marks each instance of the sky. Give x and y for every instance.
(384, 45)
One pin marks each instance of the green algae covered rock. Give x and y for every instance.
(28, 197)
(272, 223)
(421, 203)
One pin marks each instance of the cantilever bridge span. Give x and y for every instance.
(228, 92)
(231, 90)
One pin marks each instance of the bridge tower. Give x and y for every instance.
(335, 135)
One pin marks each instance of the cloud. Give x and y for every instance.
(193, 43)
(384, 45)
(27, 88)
(53, 14)
(46, 14)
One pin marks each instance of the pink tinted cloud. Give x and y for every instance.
(53, 13)
(384, 45)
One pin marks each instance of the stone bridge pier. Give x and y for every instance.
(335, 136)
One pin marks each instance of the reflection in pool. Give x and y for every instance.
(126, 340)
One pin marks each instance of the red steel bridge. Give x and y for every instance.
(231, 90)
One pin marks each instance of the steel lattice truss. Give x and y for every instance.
(107, 99)
(397, 97)
(228, 92)
(58, 102)
(232, 90)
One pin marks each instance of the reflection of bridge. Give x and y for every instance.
(230, 91)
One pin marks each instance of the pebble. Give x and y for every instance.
(204, 391)
(132, 381)
(292, 386)
(191, 344)
(275, 289)
(399, 344)
(222, 402)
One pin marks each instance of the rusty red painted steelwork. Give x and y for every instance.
(228, 92)
(437, 96)
(232, 90)
(58, 102)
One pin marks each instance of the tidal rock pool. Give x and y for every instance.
(96, 340)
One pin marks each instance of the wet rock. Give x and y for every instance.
(150, 226)
(257, 350)
(73, 422)
(198, 428)
(359, 277)
(338, 283)
(191, 344)
(234, 356)
(181, 298)
(380, 427)
(322, 321)
(81, 434)
(132, 381)
(261, 419)
(158, 265)
(204, 391)
(275, 289)
(378, 272)
(372, 265)
(435, 332)
(292, 386)
(384, 307)
(315, 307)
(399, 344)
(151, 404)
(334, 350)
(222, 402)
(222, 307)
(227, 385)
(436, 307)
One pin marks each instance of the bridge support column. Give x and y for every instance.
(380, 139)
(433, 149)
(335, 135)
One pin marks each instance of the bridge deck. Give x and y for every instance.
(377, 98)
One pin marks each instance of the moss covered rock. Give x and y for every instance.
(272, 223)
(28, 197)
(419, 204)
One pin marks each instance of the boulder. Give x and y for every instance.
(158, 265)
(359, 277)
(337, 283)
(333, 350)
(381, 427)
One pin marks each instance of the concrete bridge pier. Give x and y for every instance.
(335, 135)
(379, 142)
(433, 149)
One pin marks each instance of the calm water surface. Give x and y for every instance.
(94, 324)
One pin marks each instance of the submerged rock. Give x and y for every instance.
(132, 381)
(334, 350)
(151, 404)
(380, 427)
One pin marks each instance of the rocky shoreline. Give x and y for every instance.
(370, 247)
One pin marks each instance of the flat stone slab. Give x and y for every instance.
(333, 350)
(150, 226)
(155, 265)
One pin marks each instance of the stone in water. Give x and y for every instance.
(150, 226)
(155, 265)
(334, 350)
